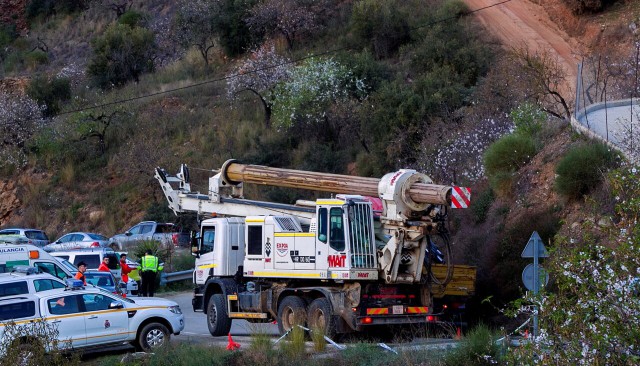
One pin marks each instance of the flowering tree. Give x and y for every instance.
(195, 23)
(286, 17)
(592, 317)
(456, 160)
(20, 118)
(313, 87)
(259, 74)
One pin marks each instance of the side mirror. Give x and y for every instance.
(116, 305)
(322, 238)
(195, 252)
(127, 233)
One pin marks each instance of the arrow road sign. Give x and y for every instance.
(528, 251)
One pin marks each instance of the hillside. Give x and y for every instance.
(399, 88)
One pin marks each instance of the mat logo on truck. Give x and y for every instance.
(337, 260)
(13, 250)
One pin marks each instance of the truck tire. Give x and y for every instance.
(217, 318)
(152, 336)
(291, 312)
(320, 318)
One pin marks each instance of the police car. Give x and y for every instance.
(93, 317)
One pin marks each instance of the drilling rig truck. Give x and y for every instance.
(334, 264)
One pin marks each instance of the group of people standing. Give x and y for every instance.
(149, 267)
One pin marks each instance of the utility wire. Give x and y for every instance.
(232, 76)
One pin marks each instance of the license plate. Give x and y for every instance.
(398, 309)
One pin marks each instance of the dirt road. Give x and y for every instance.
(521, 22)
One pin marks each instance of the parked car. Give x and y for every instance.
(165, 233)
(27, 280)
(104, 280)
(92, 317)
(34, 236)
(78, 240)
(93, 257)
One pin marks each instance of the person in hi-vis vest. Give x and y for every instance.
(149, 267)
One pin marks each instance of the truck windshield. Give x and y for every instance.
(208, 239)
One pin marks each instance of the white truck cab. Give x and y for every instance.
(32, 256)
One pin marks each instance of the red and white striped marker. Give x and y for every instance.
(460, 197)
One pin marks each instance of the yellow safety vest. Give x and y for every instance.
(149, 263)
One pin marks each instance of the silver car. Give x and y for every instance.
(78, 240)
(34, 236)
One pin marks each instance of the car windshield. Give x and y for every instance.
(67, 265)
(97, 236)
(35, 234)
(98, 279)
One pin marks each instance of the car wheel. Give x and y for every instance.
(153, 336)
(217, 319)
(291, 312)
(320, 318)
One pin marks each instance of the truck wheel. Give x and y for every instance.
(291, 312)
(217, 319)
(320, 318)
(152, 336)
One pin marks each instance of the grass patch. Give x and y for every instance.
(478, 348)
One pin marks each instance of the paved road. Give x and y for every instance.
(196, 329)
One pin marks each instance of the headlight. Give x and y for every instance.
(175, 309)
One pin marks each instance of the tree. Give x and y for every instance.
(195, 25)
(313, 87)
(231, 27)
(92, 125)
(380, 24)
(121, 54)
(118, 6)
(545, 78)
(592, 314)
(286, 17)
(259, 74)
(20, 118)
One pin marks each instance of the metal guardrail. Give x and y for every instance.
(175, 276)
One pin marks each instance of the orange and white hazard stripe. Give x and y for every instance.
(460, 197)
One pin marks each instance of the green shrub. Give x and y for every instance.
(235, 35)
(7, 34)
(49, 92)
(505, 156)
(583, 168)
(528, 118)
(120, 55)
(480, 206)
(35, 58)
(133, 18)
(380, 24)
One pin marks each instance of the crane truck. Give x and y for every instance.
(334, 264)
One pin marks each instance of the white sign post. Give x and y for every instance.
(535, 249)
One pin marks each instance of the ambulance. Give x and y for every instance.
(29, 255)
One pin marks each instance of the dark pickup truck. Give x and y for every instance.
(166, 233)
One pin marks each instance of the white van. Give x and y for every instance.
(92, 257)
(32, 256)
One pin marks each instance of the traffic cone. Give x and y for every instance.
(458, 333)
(232, 346)
(526, 333)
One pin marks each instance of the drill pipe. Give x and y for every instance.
(235, 173)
